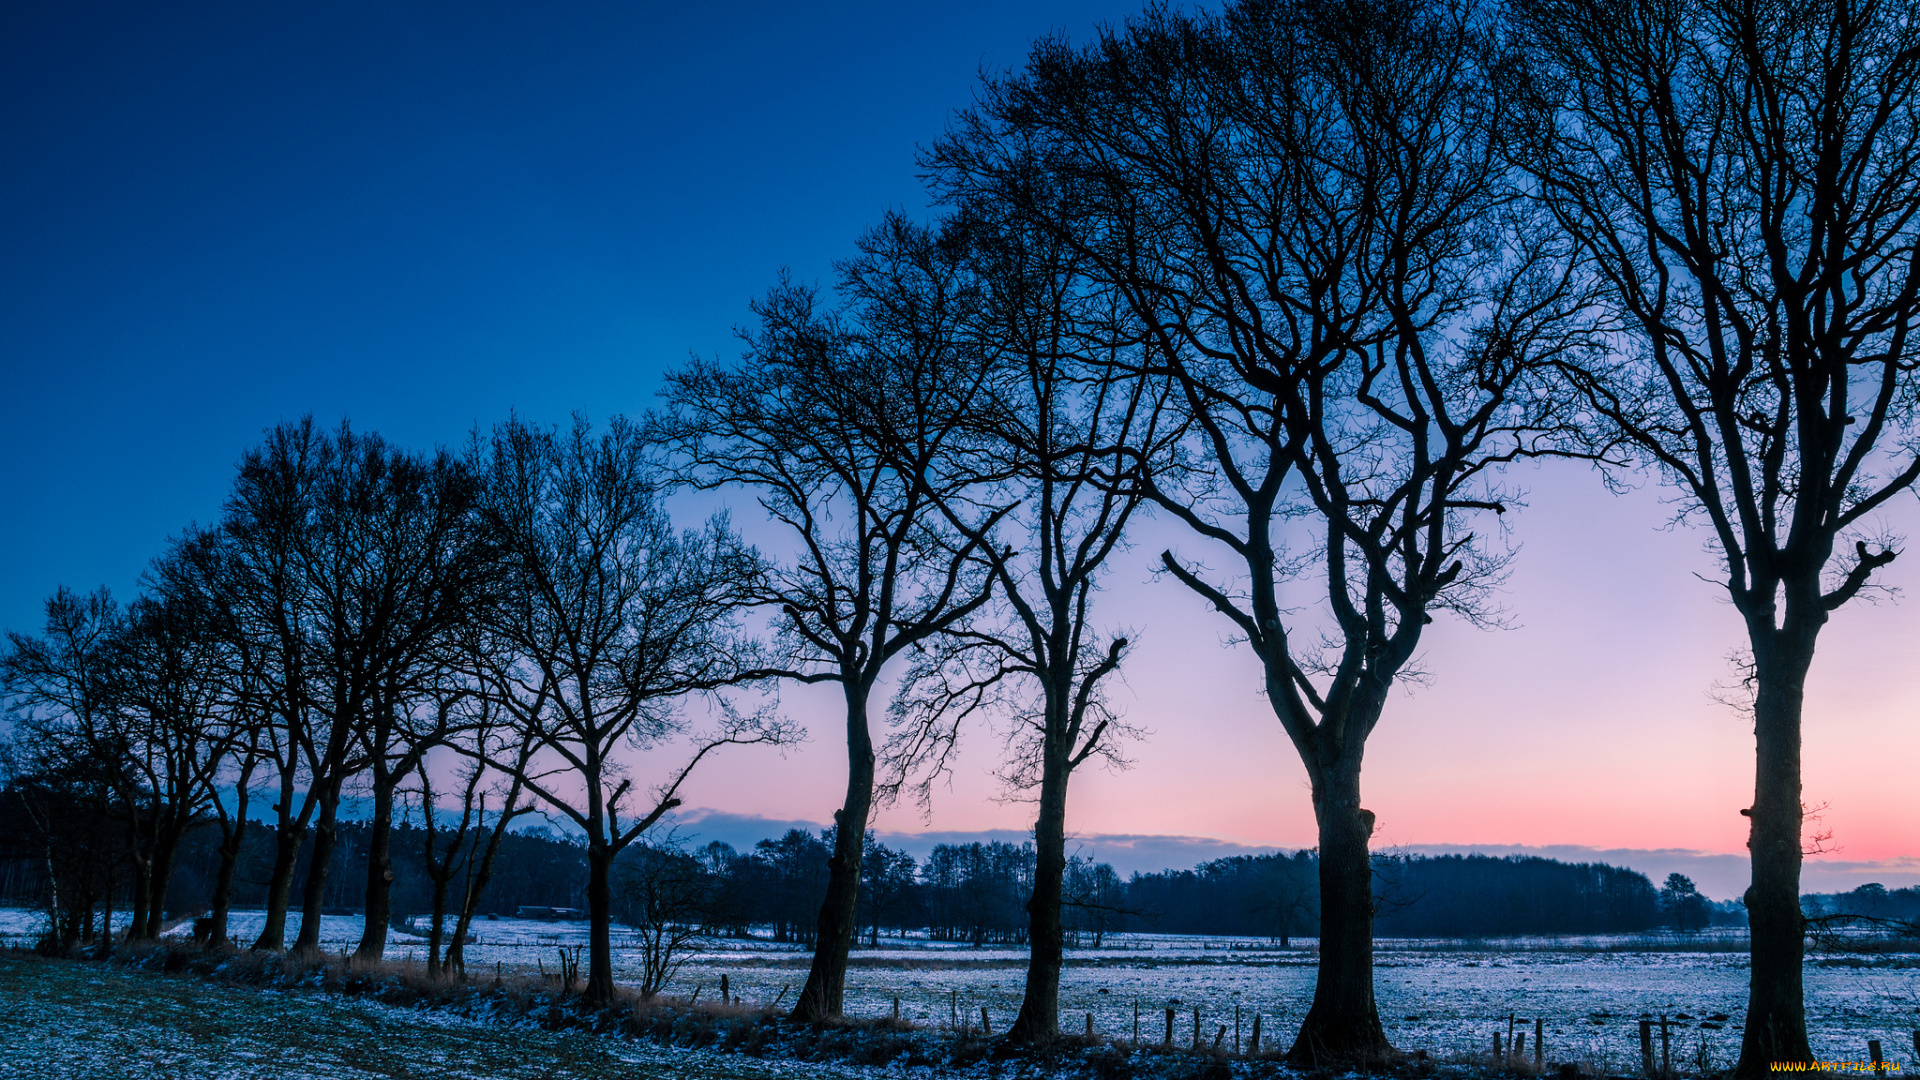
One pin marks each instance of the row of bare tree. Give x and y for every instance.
(527, 606)
(1301, 275)
(1369, 251)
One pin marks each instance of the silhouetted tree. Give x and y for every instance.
(608, 620)
(1741, 178)
(832, 421)
(665, 894)
(72, 759)
(1058, 441)
(1303, 203)
(163, 667)
(1682, 905)
(194, 572)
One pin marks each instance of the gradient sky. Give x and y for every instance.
(218, 216)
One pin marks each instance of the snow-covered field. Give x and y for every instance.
(1445, 997)
(93, 1022)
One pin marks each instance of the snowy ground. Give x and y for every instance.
(91, 1022)
(1448, 998)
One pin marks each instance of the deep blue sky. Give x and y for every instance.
(215, 216)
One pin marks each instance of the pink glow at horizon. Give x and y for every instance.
(1590, 721)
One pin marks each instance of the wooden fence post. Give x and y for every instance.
(1089, 1025)
(1253, 1045)
(1666, 1048)
(726, 991)
(1196, 1027)
(1646, 1047)
(1873, 1051)
(1539, 1042)
(1498, 1057)
(1169, 1041)
(986, 1026)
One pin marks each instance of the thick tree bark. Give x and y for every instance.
(286, 852)
(824, 995)
(142, 896)
(1039, 1019)
(218, 917)
(436, 936)
(599, 925)
(476, 885)
(373, 935)
(1342, 1026)
(160, 878)
(1776, 1023)
(313, 899)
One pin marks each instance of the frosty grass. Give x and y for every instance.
(1448, 998)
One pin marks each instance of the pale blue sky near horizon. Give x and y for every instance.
(427, 216)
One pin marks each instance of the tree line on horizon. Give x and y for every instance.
(973, 894)
(1302, 276)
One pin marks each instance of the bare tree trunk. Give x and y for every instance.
(1343, 1023)
(1776, 1024)
(286, 851)
(223, 881)
(142, 896)
(165, 854)
(435, 935)
(824, 995)
(373, 935)
(599, 925)
(314, 898)
(1039, 1019)
(477, 884)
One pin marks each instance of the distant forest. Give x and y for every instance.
(972, 893)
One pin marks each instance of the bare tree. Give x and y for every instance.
(127, 698)
(608, 620)
(474, 839)
(353, 560)
(665, 894)
(63, 760)
(1058, 443)
(830, 420)
(261, 583)
(1303, 203)
(163, 667)
(1744, 180)
(194, 572)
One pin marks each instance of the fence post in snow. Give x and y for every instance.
(1253, 1044)
(1539, 1042)
(1646, 1047)
(1169, 1041)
